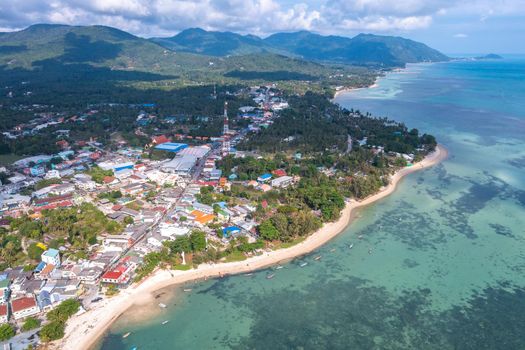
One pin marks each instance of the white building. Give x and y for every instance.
(24, 307)
(51, 256)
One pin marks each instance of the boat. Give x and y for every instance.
(360, 236)
(351, 246)
(317, 258)
(269, 277)
(332, 250)
(279, 267)
(134, 348)
(126, 335)
(248, 274)
(303, 264)
(164, 322)
(162, 305)
(187, 289)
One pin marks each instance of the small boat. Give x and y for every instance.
(332, 250)
(279, 267)
(351, 246)
(248, 274)
(164, 322)
(162, 305)
(317, 258)
(369, 250)
(303, 264)
(126, 335)
(187, 289)
(269, 277)
(360, 236)
(134, 348)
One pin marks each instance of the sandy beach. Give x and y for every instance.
(84, 330)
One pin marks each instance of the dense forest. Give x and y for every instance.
(314, 124)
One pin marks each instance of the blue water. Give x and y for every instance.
(447, 262)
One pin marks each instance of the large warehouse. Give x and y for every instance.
(171, 147)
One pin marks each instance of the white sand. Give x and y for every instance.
(84, 330)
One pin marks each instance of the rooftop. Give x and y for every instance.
(23, 303)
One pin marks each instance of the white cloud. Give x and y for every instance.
(166, 17)
(460, 35)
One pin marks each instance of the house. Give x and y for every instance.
(4, 313)
(4, 288)
(265, 187)
(157, 140)
(51, 256)
(120, 274)
(279, 172)
(156, 239)
(264, 177)
(24, 307)
(230, 231)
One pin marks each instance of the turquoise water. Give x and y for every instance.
(441, 262)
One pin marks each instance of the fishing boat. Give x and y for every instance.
(162, 305)
(126, 335)
(248, 274)
(187, 289)
(351, 246)
(269, 277)
(164, 322)
(279, 267)
(360, 236)
(303, 264)
(317, 258)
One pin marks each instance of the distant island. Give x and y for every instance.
(490, 56)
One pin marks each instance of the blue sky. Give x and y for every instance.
(452, 26)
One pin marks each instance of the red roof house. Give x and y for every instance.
(279, 172)
(157, 140)
(23, 307)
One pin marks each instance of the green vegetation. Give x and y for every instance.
(57, 320)
(98, 174)
(77, 226)
(6, 331)
(46, 182)
(30, 323)
(53, 330)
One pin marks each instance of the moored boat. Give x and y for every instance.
(317, 258)
(303, 264)
(164, 322)
(162, 305)
(126, 335)
(270, 276)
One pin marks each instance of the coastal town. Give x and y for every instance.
(91, 220)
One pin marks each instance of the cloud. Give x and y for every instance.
(166, 17)
(460, 35)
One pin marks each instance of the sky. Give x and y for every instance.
(451, 26)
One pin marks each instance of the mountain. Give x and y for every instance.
(95, 45)
(364, 49)
(96, 54)
(199, 41)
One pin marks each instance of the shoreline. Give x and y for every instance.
(85, 330)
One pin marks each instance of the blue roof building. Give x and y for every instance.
(171, 147)
(230, 230)
(232, 177)
(264, 177)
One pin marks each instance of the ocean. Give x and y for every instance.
(440, 264)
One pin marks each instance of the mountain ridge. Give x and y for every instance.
(363, 49)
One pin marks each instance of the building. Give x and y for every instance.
(4, 313)
(282, 182)
(51, 256)
(171, 147)
(264, 177)
(24, 307)
(181, 165)
(4, 289)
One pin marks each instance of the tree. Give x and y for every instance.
(128, 220)
(267, 231)
(52, 331)
(30, 323)
(34, 251)
(198, 240)
(63, 311)
(6, 331)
